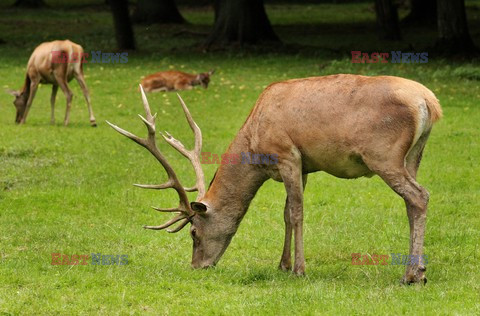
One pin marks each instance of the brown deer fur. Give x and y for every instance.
(174, 80)
(346, 125)
(41, 69)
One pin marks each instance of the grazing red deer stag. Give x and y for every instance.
(43, 68)
(173, 80)
(346, 125)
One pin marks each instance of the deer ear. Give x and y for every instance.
(211, 72)
(198, 207)
(13, 92)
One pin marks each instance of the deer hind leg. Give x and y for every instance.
(83, 85)
(33, 90)
(286, 261)
(52, 103)
(60, 74)
(416, 199)
(415, 155)
(69, 95)
(291, 171)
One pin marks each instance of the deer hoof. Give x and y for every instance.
(299, 271)
(406, 281)
(417, 276)
(285, 266)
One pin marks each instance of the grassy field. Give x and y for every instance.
(69, 189)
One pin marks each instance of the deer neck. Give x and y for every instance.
(235, 185)
(25, 92)
(196, 80)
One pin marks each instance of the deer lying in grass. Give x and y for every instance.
(174, 80)
(43, 68)
(346, 125)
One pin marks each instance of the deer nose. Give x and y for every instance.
(202, 265)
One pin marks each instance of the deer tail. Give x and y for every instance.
(433, 106)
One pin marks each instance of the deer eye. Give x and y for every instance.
(193, 232)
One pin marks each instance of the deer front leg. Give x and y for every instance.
(182, 85)
(33, 90)
(161, 89)
(52, 103)
(286, 261)
(291, 172)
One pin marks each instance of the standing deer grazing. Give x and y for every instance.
(43, 68)
(346, 125)
(174, 80)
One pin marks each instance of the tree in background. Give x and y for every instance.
(29, 3)
(242, 22)
(387, 20)
(123, 26)
(422, 12)
(453, 35)
(157, 11)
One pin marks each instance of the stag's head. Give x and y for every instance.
(204, 78)
(20, 103)
(211, 233)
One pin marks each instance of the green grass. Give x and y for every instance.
(69, 190)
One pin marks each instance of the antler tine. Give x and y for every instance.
(191, 189)
(184, 210)
(196, 130)
(167, 210)
(179, 227)
(166, 185)
(192, 155)
(146, 106)
(125, 133)
(169, 223)
(197, 149)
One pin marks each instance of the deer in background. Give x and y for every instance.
(43, 68)
(346, 125)
(174, 80)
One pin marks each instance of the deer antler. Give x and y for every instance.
(184, 209)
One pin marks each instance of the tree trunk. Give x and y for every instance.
(157, 11)
(29, 3)
(422, 12)
(453, 35)
(123, 26)
(387, 20)
(242, 22)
